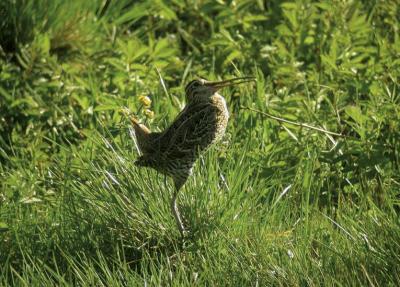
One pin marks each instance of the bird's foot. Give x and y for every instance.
(182, 230)
(185, 238)
(185, 233)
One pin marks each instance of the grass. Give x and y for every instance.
(274, 204)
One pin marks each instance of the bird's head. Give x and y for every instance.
(200, 89)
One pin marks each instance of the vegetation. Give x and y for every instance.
(274, 204)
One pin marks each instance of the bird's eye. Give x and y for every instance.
(192, 86)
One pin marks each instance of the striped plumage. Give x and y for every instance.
(201, 123)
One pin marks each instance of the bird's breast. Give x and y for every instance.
(222, 115)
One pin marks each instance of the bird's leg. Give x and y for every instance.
(177, 215)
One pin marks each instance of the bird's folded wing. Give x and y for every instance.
(191, 132)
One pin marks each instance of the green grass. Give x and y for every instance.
(272, 205)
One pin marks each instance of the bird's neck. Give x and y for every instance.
(203, 99)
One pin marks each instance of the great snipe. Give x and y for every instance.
(201, 123)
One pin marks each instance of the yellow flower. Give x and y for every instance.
(145, 100)
(149, 113)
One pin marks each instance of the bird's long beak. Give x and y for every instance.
(226, 83)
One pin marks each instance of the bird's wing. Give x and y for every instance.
(192, 131)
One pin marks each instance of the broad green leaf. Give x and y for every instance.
(355, 113)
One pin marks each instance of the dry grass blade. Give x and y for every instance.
(281, 120)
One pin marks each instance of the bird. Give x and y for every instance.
(174, 151)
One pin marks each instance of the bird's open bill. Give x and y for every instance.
(235, 81)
